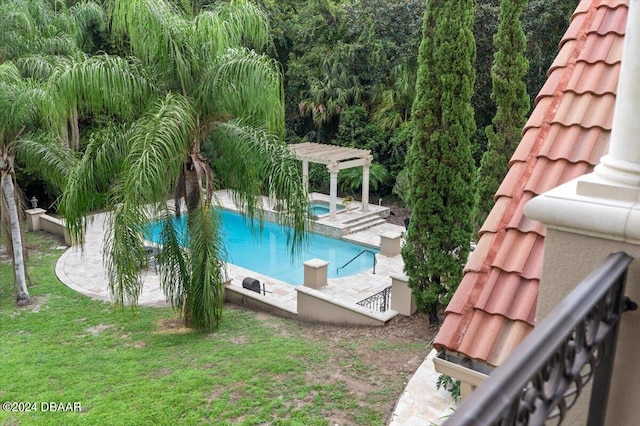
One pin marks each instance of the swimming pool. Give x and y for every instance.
(268, 253)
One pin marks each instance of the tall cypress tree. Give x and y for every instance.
(440, 165)
(508, 73)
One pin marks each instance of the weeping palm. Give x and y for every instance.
(35, 40)
(19, 117)
(193, 87)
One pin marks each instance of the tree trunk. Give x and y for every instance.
(75, 130)
(8, 190)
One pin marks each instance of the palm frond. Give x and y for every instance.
(205, 292)
(88, 16)
(156, 33)
(59, 44)
(174, 259)
(125, 254)
(41, 67)
(89, 178)
(49, 158)
(9, 73)
(351, 179)
(104, 84)
(159, 144)
(17, 103)
(230, 24)
(245, 85)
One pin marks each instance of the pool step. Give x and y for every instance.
(365, 223)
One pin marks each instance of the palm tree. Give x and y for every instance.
(351, 179)
(20, 101)
(15, 114)
(330, 94)
(193, 88)
(394, 102)
(34, 41)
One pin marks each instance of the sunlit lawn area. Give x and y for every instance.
(127, 368)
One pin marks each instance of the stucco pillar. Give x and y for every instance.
(33, 218)
(390, 243)
(365, 184)
(402, 296)
(315, 273)
(333, 189)
(597, 214)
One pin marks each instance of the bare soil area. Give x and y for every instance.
(373, 363)
(398, 213)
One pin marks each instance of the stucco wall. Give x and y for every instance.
(568, 258)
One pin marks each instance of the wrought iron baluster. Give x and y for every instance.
(380, 301)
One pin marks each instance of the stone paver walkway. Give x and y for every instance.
(421, 404)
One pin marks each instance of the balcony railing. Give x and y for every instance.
(548, 371)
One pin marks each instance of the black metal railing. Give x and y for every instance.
(548, 371)
(357, 256)
(380, 301)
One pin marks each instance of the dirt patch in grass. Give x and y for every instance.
(172, 326)
(94, 331)
(33, 304)
(373, 364)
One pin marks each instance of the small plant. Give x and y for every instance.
(449, 384)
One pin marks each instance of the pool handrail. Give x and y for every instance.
(357, 256)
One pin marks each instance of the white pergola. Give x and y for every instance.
(336, 158)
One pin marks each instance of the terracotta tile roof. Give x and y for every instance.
(565, 136)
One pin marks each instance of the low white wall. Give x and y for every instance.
(239, 295)
(316, 306)
(313, 306)
(55, 226)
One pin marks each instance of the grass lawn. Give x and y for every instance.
(141, 368)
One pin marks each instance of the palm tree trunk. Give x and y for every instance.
(8, 190)
(75, 130)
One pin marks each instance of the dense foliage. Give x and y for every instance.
(510, 95)
(441, 168)
(337, 54)
(349, 71)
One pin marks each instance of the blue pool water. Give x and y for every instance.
(268, 253)
(320, 208)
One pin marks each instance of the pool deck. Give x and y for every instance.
(82, 269)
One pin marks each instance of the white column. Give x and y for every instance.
(622, 164)
(333, 189)
(365, 184)
(305, 175)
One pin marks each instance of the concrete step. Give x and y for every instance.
(366, 225)
(361, 218)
